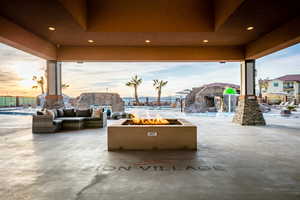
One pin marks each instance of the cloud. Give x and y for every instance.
(279, 64)
(16, 71)
(17, 67)
(8, 79)
(113, 76)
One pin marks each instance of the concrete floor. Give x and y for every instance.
(232, 162)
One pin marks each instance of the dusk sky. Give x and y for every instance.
(18, 67)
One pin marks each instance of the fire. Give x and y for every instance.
(154, 121)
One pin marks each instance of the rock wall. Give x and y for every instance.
(102, 99)
(208, 98)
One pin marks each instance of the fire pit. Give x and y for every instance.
(152, 134)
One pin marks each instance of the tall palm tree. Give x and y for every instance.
(263, 84)
(135, 82)
(40, 82)
(158, 86)
(64, 86)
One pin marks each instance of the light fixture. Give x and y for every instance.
(250, 28)
(51, 28)
(90, 41)
(205, 41)
(147, 41)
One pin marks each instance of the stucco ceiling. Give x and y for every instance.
(163, 22)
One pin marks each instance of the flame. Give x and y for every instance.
(154, 121)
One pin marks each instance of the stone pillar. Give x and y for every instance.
(54, 98)
(248, 111)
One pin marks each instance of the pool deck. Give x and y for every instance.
(232, 162)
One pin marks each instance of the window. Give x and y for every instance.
(275, 84)
(288, 85)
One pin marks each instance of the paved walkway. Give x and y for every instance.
(232, 162)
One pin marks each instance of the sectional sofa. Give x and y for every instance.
(55, 120)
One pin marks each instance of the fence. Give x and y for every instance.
(11, 101)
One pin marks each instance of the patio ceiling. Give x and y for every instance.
(178, 30)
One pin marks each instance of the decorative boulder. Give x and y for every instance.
(101, 99)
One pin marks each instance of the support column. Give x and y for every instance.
(248, 111)
(54, 98)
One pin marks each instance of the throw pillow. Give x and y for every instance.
(60, 113)
(50, 113)
(69, 113)
(39, 112)
(55, 112)
(96, 113)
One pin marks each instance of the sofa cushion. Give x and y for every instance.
(71, 118)
(57, 121)
(50, 113)
(97, 112)
(54, 112)
(60, 112)
(69, 113)
(83, 113)
(92, 119)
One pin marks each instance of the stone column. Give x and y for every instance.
(54, 98)
(248, 111)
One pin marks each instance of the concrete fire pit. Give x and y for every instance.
(178, 134)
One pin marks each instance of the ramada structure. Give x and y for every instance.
(161, 30)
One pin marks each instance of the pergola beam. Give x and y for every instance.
(78, 10)
(139, 54)
(224, 9)
(280, 38)
(16, 36)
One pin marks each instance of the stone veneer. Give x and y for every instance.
(248, 112)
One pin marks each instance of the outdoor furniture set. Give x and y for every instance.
(51, 121)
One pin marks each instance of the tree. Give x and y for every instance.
(135, 82)
(263, 84)
(40, 82)
(64, 86)
(158, 86)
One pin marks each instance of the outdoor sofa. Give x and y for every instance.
(51, 121)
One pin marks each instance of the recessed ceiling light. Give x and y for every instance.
(205, 41)
(250, 28)
(147, 41)
(90, 41)
(51, 28)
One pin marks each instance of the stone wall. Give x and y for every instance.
(248, 112)
(102, 99)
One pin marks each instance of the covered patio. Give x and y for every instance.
(255, 162)
(89, 30)
(232, 161)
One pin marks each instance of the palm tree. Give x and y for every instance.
(263, 84)
(64, 86)
(40, 82)
(135, 82)
(158, 86)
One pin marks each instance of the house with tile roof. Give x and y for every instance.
(288, 84)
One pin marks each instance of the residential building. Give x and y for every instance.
(288, 84)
